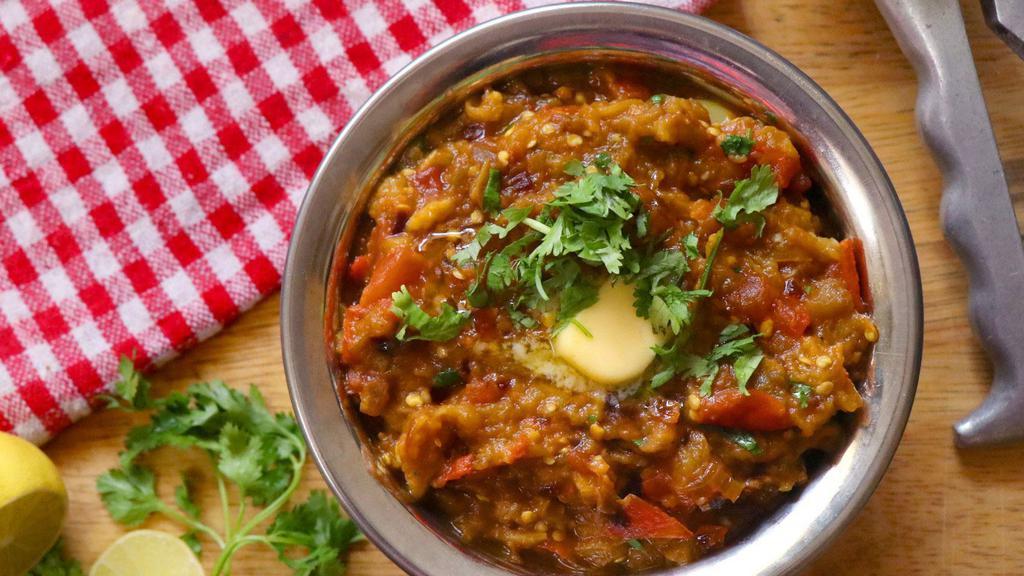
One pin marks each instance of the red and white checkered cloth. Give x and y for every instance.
(152, 157)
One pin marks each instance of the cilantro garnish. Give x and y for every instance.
(705, 276)
(131, 390)
(445, 326)
(657, 99)
(735, 343)
(635, 544)
(447, 378)
(744, 440)
(736, 145)
(802, 393)
(55, 563)
(749, 197)
(657, 293)
(576, 297)
(585, 223)
(316, 526)
(492, 200)
(261, 453)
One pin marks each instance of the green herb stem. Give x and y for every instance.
(195, 525)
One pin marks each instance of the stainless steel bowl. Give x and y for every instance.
(861, 196)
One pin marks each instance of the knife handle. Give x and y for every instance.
(977, 215)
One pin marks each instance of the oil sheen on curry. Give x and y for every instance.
(591, 320)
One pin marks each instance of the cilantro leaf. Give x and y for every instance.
(131, 390)
(447, 378)
(736, 145)
(574, 168)
(657, 294)
(55, 563)
(705, 276)
(183, 498)
(129, 494)
(317, 527)
(499, 272)
(576, 297)
(492, 198)
(657, 99)
(445, 326)
(749, 197)
(802, 393)
(735, 343)
(670, 307)
(744, 440)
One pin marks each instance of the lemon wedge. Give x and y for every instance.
(33, 504)
(148, 552)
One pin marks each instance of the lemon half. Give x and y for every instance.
(33, 503)
(148, 552)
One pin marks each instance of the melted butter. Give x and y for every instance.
(618, 347)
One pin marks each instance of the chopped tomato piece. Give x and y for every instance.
(711, 536)
(772, 147)
(791, 316)
(759, 411)
(851, 258)
(428, 180)
(361, 325)
(455, 470)
(560, 549)
(519, 448)
(648, 521)
(484, 390)
(657, 485)
(359, 268)
(750, 297)
(403, 265)
(372, 389)
(485, 320)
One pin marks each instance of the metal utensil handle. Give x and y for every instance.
(977, 214)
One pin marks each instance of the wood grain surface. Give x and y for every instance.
(938, 511)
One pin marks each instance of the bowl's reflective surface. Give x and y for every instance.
(857, 187)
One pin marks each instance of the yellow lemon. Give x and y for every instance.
(148, 552)
(33, 503)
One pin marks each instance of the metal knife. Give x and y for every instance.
(977, 214)
(1006, 19)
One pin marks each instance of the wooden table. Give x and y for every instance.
(937, 511)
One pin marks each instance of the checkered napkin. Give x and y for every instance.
(153, 154)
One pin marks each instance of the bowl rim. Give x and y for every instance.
(417, 547)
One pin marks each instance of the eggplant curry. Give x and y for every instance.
(596, 322)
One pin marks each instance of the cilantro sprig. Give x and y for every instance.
(260, 453)
(736, 145)
(585, 228)
(744, 440)
(748, 199)
(492, 198)
(445, 326)
(802, 393)
(735, 344)
(658, 294)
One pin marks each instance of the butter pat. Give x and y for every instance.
(618, 349)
